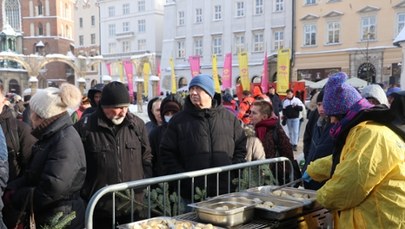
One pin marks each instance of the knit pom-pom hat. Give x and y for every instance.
(52, 101)
(339, 96)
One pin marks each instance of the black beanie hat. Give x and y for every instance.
(319, 99)
(114, 94)
(170, 106)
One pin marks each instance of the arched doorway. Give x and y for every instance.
(367, 72)
(14, 87)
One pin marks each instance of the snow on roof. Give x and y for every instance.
(400, 38)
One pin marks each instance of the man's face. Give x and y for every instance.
(116, 114)
(97, 97)
(156, 111)
(272, 91)
(200, 98)
(321, 112)
(290, 95)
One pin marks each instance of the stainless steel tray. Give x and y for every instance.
(308, 196)
(165, 222)
(281, 209)
(227, 210)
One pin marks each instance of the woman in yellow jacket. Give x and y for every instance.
(366, 188)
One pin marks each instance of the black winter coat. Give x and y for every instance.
(114, 154)
(56, 173)
(202, 138)
(19, 144)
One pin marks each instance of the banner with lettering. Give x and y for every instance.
(227, 72)
(146, 73)
(244, 70)
(129, 70)
(215, 74)
(265, 76)
(194, 65)
(283, 71)
(173, 77)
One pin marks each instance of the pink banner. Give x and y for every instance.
(108, 66)
(194, 65)
(227, 72)
(265, 75)
(128, 66)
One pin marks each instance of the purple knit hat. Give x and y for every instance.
(339, 96)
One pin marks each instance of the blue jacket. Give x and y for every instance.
(3, 171)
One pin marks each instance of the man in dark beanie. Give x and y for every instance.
(203, 135)
(117, 150)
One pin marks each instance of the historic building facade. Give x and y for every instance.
(352, 36)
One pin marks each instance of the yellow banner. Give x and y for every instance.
(146, 72)
(244, 70)
(215, 74)
(283, 71)
(173, 78)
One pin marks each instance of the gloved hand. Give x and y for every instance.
(306, 177)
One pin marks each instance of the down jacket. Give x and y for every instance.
(202, 138)
(367, 187)
(56, 174)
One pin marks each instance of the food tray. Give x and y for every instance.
(227, 210)
(281, 209)
(166, 223)
(309, 201)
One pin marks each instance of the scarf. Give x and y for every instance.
(262, 126)
(37, 132)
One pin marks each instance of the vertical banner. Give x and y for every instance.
(244, 70)
(194, 65)
(215, 74)
(227, 72)
(146, 73)
(108, 66)
(158, 75)
(173, 77)
(283, 71)
(120, 66)
(129, 70)
(265, 76)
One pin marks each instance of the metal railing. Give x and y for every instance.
(147, 183)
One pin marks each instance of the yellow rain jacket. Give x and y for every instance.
(367, 189)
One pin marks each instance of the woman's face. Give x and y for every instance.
(256, 115)
(35, 120)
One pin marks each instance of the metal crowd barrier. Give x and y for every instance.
(147, 183)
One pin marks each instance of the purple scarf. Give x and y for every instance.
(362, 104)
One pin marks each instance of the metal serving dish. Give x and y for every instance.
(227, 210)
(280, 209)
(305, 196)
(164, 222)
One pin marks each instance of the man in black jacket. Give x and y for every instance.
(203, 135)
(117, 150)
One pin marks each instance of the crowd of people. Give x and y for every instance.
(354, 147)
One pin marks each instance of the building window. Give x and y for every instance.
(240, 9)
(278, 40)
(141, 44)
(279, 6)
(81, 40)
(368, 28)
(239, 42)
(125, 26)
(181, 52)
(217, 12)
(141, 26)
(198, 46)
(125, 9)
(126, 46)
(141, 5)
(333, 32)
(198, 15)
(93, 20)
(258, 7)
(93, 38)
(310, 2)
(180, 19)
(111, 48)
(13, 13)
(40, 8)
(111, 11)
(400, 22)
(81, 22)
(258, 41)
(217, 45)
(111, 30)
(40, 29)
(309, 35)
